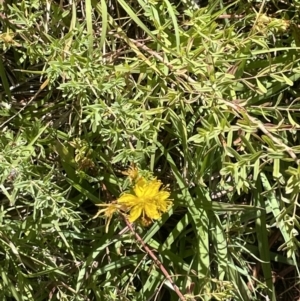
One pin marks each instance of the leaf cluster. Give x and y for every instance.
(204, 94)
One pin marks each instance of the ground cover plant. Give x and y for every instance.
(149, 150)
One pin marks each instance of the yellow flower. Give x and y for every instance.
(147, 202)
(132, 173)
(108, 212)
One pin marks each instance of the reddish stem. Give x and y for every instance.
(156, 260)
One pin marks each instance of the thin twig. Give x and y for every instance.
(275, 140)
(237, 108)
(162, 60)
(42, 87)
(156, 260)
(231, 16)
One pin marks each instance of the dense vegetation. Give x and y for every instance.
(201, 95)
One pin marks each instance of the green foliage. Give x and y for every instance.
(204, 96)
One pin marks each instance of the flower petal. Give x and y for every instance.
(152, 189)
(139, 188)
(151, 211)
(163, 195)
(128, 200)
(135, 213)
